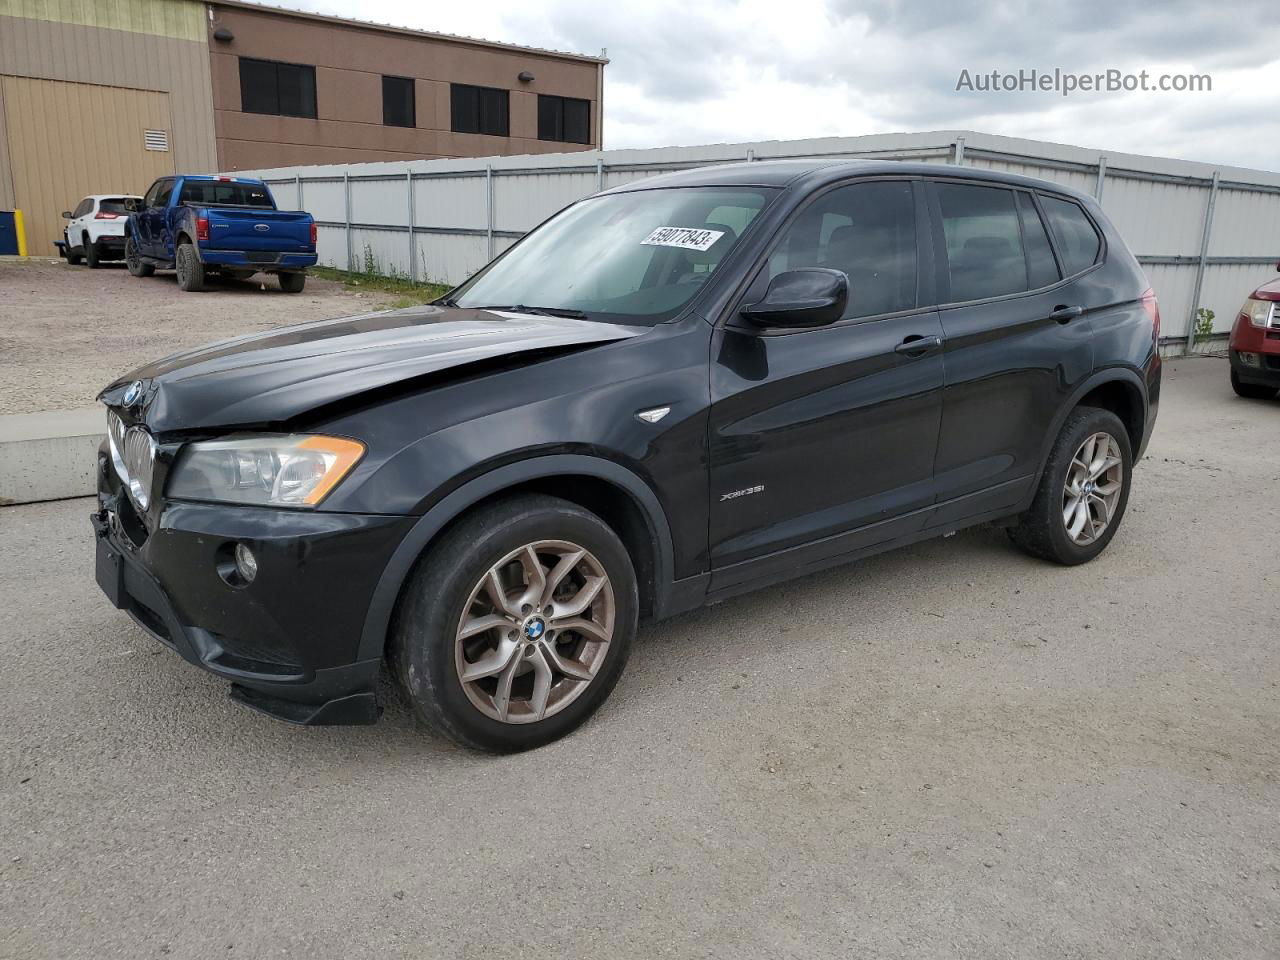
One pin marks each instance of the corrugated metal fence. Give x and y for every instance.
(1206, 235)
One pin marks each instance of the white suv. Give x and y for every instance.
(95, 229)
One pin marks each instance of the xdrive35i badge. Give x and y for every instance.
(744, 492)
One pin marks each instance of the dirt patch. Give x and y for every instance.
(66, 332)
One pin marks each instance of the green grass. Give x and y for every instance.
(410, 294)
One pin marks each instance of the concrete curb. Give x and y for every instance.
(49, 456)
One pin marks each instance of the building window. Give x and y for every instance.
(479, 110)
(397, 102)
(564, 118)
(280, 89)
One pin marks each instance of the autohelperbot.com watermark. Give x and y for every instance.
(1066, 83)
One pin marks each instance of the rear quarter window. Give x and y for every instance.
(1078, 240)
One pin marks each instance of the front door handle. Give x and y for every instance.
(918, 346)
(1066, 314)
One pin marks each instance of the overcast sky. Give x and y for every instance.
(709, 71)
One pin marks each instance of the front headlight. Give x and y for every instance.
(282, 471)
(1258, 311)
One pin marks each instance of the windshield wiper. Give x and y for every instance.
(540, 311)
(447, 302)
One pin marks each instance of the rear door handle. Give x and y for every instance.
(917, 346)
(1066, 314)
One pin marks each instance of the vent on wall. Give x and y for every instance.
(156, 140)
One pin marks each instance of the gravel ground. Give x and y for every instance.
(947, 751)
(66, 332)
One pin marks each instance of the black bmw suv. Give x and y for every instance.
(667, 394)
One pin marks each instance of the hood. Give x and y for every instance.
(271, 377)
(1268, 291)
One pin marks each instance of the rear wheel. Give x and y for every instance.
(516, 625)
(1083, 491)
(133, 260)
(90, 253)
(1251, 391)
(190, 269)
(293, 282)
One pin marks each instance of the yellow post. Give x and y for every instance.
(21, 231)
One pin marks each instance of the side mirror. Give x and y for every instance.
(66, 214)
(809, 297)
(131, 205)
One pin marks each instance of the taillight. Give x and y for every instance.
(313, 233)
(1152, 306)
(202, 228)
(106, 215)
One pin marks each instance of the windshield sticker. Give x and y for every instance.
(687, 238)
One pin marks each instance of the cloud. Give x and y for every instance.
(685, 73)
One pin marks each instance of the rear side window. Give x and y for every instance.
(865, 230)
(985, 255)
(1041, 267)
(1078, 241)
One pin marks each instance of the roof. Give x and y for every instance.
(781, 173)
(111, 196)
(404, 31)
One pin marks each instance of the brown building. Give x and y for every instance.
(295, 88)
(102, 97)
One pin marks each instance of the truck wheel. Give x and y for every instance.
(1083, 491)
(1251, 391)
(90, 253)
(516, 625)
(190, 269)
(73, 254)
(133, 260)
(293, 282)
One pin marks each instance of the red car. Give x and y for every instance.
(1255, 344)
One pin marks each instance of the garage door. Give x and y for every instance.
(68, 140)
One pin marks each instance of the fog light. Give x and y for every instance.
(246, 563)
(1249, 359)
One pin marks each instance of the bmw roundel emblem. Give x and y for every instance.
(133, 393)
(534, 628)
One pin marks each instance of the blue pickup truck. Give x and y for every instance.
(204, 226)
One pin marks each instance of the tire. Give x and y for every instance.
(427, 657)
(133, 260)
(293, 282)
(1043, 530)
(1251, 391)
(74, 256)
(190, 269)
(91, 254)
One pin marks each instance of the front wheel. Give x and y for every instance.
(1251, 391)
(133, 260)
(190, 269)
(1083, 491)
(516, 625)
(90, 254)
(74, 256)
(293, 282)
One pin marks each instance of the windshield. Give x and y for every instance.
(216, 193)
(631, 257)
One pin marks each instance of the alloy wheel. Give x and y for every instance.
(535, 631)
(1095, 480)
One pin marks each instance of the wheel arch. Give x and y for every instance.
(619, 496)
(1117, 389)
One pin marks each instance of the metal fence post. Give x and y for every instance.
(413, 241)
(751, 156)
(599, 174)
(958, 147)
(488, 206)
(1204, 255)
(1102, 177)
(297, 192)
(346, 194)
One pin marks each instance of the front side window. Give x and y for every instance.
(152, 192)
(84, 207)
(279, 89)
(868, 232)
(163, 194)
(398, 102)
(479, 110)
(985, 256)
(629, 257)
(565, 119)
(1078, 241)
